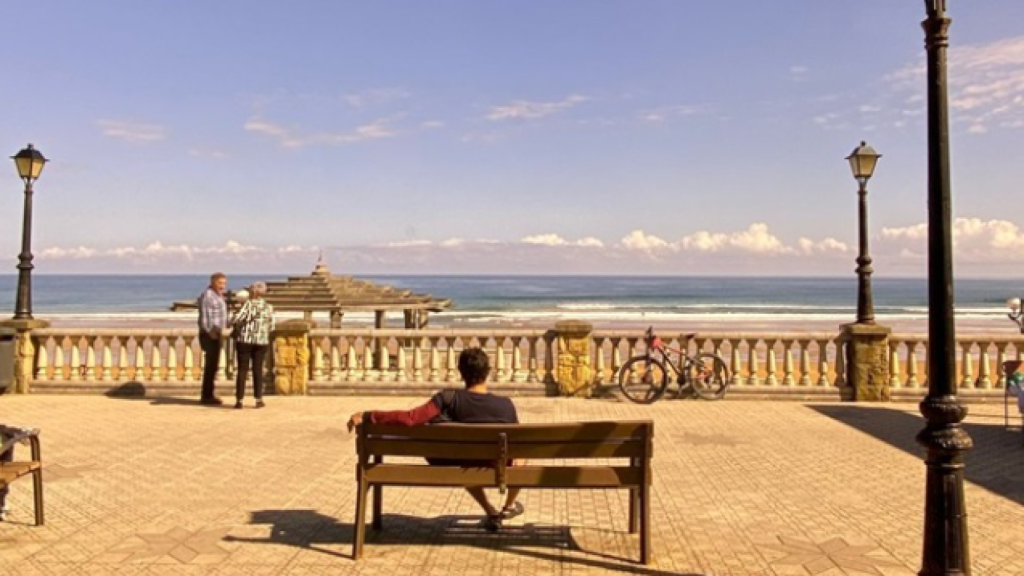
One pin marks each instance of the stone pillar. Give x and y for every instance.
(867, 361)
(24, 353)
(574, 373)
(291, 357)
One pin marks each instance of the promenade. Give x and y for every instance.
(164, 486)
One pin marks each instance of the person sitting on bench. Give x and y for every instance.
(473, 405)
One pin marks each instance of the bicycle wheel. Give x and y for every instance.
(643, 379)
(709, 376)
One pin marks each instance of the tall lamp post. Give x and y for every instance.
(30, 165)
(862, 162)
(945, 551)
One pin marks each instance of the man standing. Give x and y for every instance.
(213, 321)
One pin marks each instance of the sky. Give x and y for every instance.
(665, 137)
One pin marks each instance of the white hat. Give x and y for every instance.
(242, 295)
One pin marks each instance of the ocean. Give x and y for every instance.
(724, 303)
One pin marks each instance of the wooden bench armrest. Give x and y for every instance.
(12, 435)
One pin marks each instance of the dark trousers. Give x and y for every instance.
(249, 354)
(6, 456)
(211, 362)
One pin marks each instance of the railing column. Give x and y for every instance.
(867, 362)
(290, 345)
(574, 371)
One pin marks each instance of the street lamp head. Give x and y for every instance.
(863, 160)
(29, 163)
(1013, 304)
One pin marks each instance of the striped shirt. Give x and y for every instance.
(213, 312)
(254, 322)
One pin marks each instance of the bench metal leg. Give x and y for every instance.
(37, 491)
(378, 505)
(645, 524)
(634, 510)
(359, 526)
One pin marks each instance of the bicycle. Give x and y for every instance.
(644, 378)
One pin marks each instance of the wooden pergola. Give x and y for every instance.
(322, 291)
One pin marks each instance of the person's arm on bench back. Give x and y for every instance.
(419, 415)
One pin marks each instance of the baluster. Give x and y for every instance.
(770, 380)
(385, 360)
(190, 363)
(336, 372)
(787, 363)
(755, 371)
(984, 374)
(90, 359)
(1001, 356)
(735, 363)
(401, 363)
(352, 363)
(499, 353)
(140, 360)
(42, 359)
(122, 359)
(518, 374)
(841, 366)
(912, 381)
(616, 356)
(451, 371)
(58, 360)
(368, 369)
(317, 345)
(823, 363)
(805, 362)
(417, 360)
(75, 366)
(222, 361)
(599, 375)
(172, 359)
(107, 363)
(534, 376)
(435, 361)
(968, 366)
(156, 362)
(894, 366)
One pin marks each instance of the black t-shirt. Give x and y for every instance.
(475, 408)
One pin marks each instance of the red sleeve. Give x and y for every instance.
(420, 415)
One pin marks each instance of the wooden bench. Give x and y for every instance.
(11, 471)
(630, 441)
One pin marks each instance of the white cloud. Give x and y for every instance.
(986, 84)
(527, 110)
(132, 132)
(375, 97)
(638, 240)
(668, 112)
(293, 138)
(983, 247)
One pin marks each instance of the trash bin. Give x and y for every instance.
(8, 341)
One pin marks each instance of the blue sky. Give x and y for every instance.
(474, 136)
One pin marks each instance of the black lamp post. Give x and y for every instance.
(945, 551)
(30, 165)
(862, 162)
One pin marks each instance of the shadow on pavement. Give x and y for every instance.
(311, 530)
(996, 462)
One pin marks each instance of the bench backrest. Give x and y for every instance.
(631, 439)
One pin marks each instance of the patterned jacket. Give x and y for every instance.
(253, 322)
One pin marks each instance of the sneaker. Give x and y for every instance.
(212, 401)
(260, 404)
(516, 509)
(238, 405)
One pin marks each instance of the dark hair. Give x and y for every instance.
(216, 276)
(474, 366)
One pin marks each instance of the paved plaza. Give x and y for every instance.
(165, 486)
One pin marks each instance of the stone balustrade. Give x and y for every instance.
(525, 361)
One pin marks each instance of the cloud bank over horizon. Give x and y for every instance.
(981, 248)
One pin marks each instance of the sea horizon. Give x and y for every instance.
(707, 303)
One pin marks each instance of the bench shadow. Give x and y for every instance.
(311, 530)
(995, 462)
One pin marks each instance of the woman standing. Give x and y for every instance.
(252, 325)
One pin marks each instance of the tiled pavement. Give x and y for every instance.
(164, 486)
